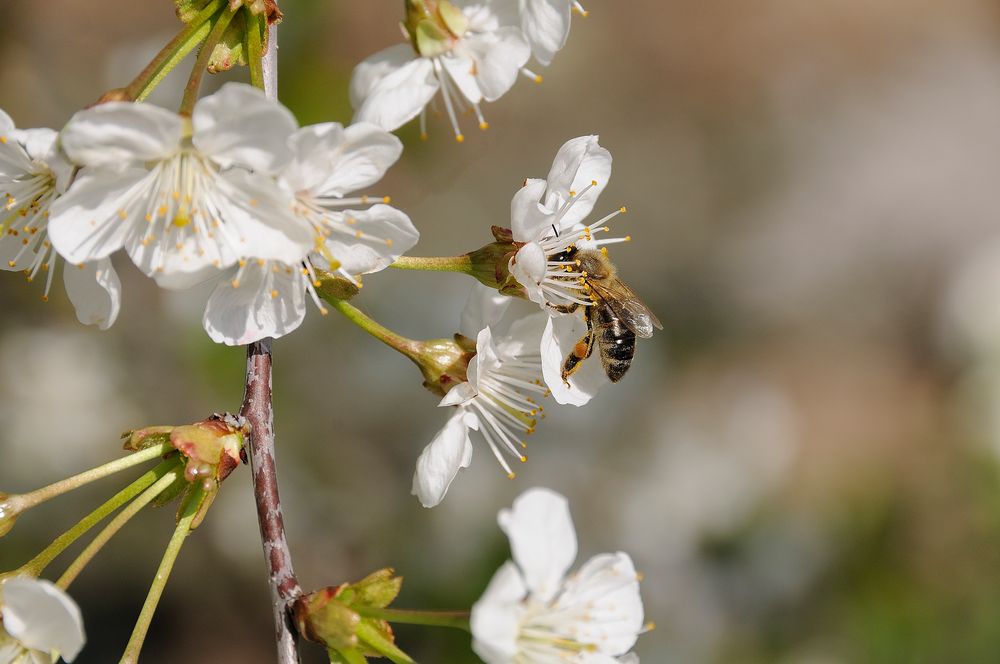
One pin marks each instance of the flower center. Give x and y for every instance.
(24, 225)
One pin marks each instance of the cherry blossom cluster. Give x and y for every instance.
(465, 51)
(237, 193)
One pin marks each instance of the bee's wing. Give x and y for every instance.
(627, 306)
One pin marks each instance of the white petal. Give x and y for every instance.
(391, 87)
(561, 334)
(331, 161)
(381, 235)
(95, 291)
(239, 125)
(268, 301)
(14, 161)
(439, 463)
(463, 72)
(459, 394)
(546, 25)
(121, 133)
(84, 224)
(608, 586)
(579, 162)
(6, 123)
(542, 539)
(528, 222)
(528, 267)
(484, 307)
(495, 619)
(523, 336)
(42, 616)
(499, 57)
(38, 143)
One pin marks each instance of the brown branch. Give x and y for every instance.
(281, 577)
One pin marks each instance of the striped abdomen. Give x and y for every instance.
(617, 342)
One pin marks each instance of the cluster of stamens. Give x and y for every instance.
(25, 223)
(564, 283)
(506, 406)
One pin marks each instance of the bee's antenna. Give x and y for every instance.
(555, 230)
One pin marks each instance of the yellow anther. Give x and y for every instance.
(388, 242)
(261, 262)
(45, 298)
(424, 136)
(358, 234)
(606, 229)
(364, 199)
(45, 267)
(243, 262)
(572, 192)
(538, 78)
(484, 125)
(235, 283)
(459, 138)
(161, 211)
(3, 139)
(274, 294)
(175, 195)
(149, 217)
(123, 215)
(351, 221)
(604, 251)
(387, 199)
(11, 263)
(628, 238)
(623, 209)
(511, 476)
(179, 245)
(317, 283)
(323, 311)
(253, 202)
(523, 458)
(593, 183)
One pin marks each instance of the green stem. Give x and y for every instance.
(255, 50)
(115, 525)
(181, 532)
(175, 51)
(407, 347)
(36, 565)
(454, 619)
(201, 64)
(434, 264)
(25, 501)
(385, 647)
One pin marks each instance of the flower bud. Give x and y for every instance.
(211, 447)
(334, 617)
(444, 362)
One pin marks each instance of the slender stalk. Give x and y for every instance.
(175, 51)
(24, 501)
(281, 576)
(181, 532)
(434, 264)
(454, 619)
(201, 64)
(115, 525)
(407, 347)
(37, 565)
(255, 54)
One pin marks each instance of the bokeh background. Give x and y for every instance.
(803, 464)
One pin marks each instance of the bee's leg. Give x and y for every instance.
(564, 308)
(581, 351)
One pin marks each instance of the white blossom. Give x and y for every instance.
(545, 24)
(476, 58)
(533, 613)
(40, 622)
(185, 197)
(33, 174)
(262, 298)
(498, 400)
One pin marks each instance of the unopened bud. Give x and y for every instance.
(444, 362)
(321, 617)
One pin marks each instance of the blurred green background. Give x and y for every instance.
(804, 464)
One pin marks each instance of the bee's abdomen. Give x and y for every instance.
(617, 344)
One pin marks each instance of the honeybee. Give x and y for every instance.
(616, 317)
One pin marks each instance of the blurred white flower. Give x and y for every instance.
(533, 613)
(185, 197)
(545, 24)
(498, 399)
(469, 51)
(261, 298)
(40, 622)
(33, 174)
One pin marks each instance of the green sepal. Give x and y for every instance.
(377, 590)
(430, 40)
(140, 439)
(453, 18)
